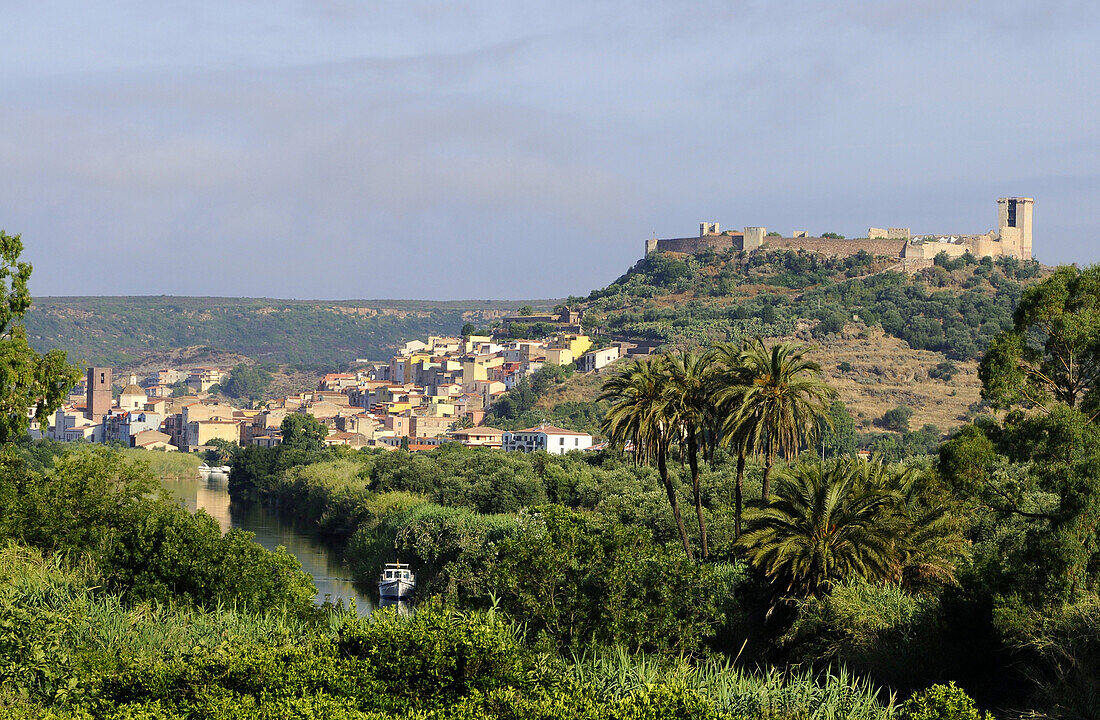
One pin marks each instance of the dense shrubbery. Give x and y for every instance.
(68, 650)
(94, 504)
(959, 321)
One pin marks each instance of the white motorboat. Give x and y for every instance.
(396, 582)
(204, 468)
(222, 469)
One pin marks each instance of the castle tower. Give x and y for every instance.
(708, 228)
(754, 237)
(99, 393)
(1014, 226)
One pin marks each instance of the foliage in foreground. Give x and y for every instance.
(68, 650)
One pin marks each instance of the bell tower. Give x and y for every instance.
(99, 393)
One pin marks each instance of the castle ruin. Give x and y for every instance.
(1012, 238)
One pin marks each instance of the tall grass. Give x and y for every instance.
(167, 465)
(835, 695)
(70, 603)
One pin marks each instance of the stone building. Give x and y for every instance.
(99, 393)
(1012, 238)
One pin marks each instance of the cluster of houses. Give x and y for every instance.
(431, 392)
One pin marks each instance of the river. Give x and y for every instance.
(210, 492)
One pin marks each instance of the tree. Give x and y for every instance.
(1051, 492)
(526, 311)
(838, 433)
(691, 409)
(822, 527)
(1052, 353)
(220, 452)
(638, 415)
(777, 401)
(898, 418)
(301, 431)
(30, 384)
(246, 382)
(735, 426)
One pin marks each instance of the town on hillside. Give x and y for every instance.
(431, 392)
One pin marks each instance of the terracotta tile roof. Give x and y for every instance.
(486, 430)
(552, 430)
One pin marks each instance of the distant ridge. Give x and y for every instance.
(120, 331)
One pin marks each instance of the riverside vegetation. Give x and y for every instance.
(573, 586)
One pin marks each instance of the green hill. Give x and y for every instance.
(127, 331)
(952, 307)
(885, 338)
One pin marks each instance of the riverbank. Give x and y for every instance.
(209, 492)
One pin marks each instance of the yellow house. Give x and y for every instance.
(437, 408)
(201, 432)
(559, 356)
(577, 344)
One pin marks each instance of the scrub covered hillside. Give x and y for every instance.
(901, 349)
(953, 307)
(122, 331)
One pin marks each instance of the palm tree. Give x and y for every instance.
(727, 385)
(824, 526)
(690, 408)
(639, 415)
(780, 399)
(927, 536)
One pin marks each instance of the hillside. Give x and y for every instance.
(883, 337)
(953, 307)
(127, 332)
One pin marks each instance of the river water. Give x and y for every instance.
(210, 492)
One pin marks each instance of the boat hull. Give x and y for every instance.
(396, 589)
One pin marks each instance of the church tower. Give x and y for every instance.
(99, 393)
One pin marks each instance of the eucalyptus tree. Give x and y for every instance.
(639, 415)
(1052, 353)
(690, 407)
(777, 401)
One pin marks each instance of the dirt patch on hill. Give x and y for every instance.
(886, 372)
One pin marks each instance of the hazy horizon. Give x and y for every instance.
(425, 150)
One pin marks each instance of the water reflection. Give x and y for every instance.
(210, 492)
(403, 607)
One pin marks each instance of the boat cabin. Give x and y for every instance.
(396, 573)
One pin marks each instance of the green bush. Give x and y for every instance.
(439, 651)
(941, 702)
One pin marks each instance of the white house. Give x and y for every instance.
(597, 359)
(554, 440)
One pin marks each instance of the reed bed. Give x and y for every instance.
(767, 694)
(74, 607)
(167, 465)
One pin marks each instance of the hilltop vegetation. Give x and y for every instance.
(885, 338)
(123, 332)
(954, 307)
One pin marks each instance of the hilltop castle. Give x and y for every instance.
(1012, 239)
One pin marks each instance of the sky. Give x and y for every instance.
(507, 149)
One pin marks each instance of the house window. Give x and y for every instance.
(561, 441)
